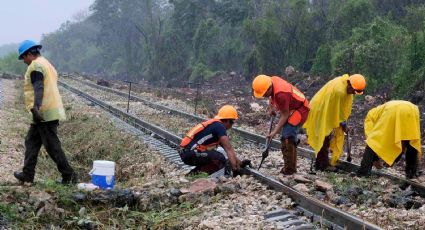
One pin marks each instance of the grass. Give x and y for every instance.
(88, 135)
(9, 212)
(197, 176)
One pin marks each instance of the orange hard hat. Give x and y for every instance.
(260, 85)
(227, 112)
(358, 82)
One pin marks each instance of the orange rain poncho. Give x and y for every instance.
(388, 124)
(328, 108)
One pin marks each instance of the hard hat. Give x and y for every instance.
(260, 85)
(358, 83)
(227, 112)
(25, 46)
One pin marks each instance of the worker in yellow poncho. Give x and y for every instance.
(326, 123)
(392, 129)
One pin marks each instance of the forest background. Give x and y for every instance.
(192, 40)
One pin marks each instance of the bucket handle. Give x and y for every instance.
(91, 171)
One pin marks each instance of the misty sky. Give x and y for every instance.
(29, 19)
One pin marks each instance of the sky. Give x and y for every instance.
(29, 19)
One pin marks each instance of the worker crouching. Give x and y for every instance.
(326, 123)
(392, 129)
(198, 147)
(293, 108)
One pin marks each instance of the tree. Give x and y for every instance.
(10, 64)
(377, 50)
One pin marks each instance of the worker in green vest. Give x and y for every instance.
(43, 100)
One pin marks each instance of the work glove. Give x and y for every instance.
(344, 127)
(36, 116)
(245, 163)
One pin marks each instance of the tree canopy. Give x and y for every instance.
(178, 40)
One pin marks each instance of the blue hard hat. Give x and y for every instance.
(25, 46)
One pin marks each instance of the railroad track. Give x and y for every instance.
(303, 152)
(314, 209)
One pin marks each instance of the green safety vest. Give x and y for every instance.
(51, 108)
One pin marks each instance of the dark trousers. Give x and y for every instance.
(209, 161)
(411, 161)
(46, 134)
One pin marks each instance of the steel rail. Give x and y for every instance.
(275, 144)
(342, 219)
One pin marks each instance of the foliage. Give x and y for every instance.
(7, 49)
(11, 64)
(180, 40)
(322, 62)
(377, 50)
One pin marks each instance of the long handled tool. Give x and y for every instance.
(265, 153)
(348, 145)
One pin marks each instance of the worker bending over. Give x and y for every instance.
(329, 111)
(392, 129)
(293, 108)
(198, 147)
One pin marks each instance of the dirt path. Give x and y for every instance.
(13, 124)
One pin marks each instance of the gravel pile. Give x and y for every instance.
(376, 203)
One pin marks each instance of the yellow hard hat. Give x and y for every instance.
(358, 82)
(227, 112)
(260, 85)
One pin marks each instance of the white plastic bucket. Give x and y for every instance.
(103, 173)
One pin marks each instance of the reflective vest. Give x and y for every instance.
(51, 108)
(279, 86)
(199, 144)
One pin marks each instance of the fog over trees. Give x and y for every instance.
(175, 40)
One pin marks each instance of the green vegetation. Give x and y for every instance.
(197, 176)
(10, 64)
(178, 40)
(86, 137)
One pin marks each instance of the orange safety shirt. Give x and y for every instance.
(288, 97)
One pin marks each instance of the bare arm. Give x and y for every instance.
(284, 114)
(234, 161)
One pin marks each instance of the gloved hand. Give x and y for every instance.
(344, 127)
(36, 116)
(245, 163)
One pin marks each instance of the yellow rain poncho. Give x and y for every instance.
(388, 124)
(328, 108)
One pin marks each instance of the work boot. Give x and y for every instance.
(73, 179)
(411, 167)
(322, 160)
(22, 177)
(367, 162)
(378, 164)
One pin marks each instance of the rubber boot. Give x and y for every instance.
(290, 157)
(322, 159)
(367, 162)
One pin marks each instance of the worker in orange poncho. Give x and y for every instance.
(330, 109)
(392, 129)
